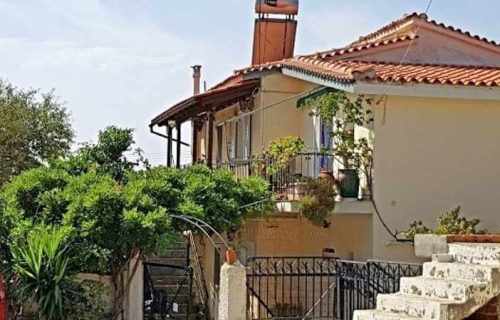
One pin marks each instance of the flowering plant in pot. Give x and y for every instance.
(278, 160)
(281, 152)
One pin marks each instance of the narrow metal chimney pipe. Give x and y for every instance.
(196, 79)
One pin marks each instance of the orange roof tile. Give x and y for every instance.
(354, 48)
(350, 71)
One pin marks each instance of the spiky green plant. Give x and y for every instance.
(41, 266)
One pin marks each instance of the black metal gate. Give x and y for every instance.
(167, 291)
(168, 284)
(306, 288)
(291, 287)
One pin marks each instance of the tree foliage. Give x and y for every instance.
(114, 211)
(281, 151)
(34, 128)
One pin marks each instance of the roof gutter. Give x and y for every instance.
(159, 134)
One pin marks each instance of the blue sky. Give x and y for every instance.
(123, 61)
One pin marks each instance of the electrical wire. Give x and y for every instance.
(407, 52)
(393, 234)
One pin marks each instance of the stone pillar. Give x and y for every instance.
(491, 311)
(233, 292)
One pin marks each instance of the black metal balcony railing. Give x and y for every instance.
(283, 181)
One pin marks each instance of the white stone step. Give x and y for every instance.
(476, 253)
(425, 308)
(455, 290)
(380, 315)
(472, 272)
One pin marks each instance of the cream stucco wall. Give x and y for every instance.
(350, 235)
(278, 115)
(432, 155)
(275, 115)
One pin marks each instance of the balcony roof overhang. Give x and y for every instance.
(213, 100)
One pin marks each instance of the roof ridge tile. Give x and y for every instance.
(394, 25)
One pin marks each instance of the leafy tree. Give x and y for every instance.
(34, 128)
(115, 212)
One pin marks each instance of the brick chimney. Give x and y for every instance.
(274, 36)
(196, 79)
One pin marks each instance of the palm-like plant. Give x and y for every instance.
(41, 267)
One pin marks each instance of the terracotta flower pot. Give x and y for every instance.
(231, 256)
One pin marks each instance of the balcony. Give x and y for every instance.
(288, 183)
(285, 182)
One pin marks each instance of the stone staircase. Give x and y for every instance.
(453, 286)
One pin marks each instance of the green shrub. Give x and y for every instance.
(281, 151)
(41, 268)
(416, 227)
(318, 201)
(88, 301)
(450, 222)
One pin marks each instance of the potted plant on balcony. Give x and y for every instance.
(356, 156)
(345, 113)
(318, 201)
(277, 164)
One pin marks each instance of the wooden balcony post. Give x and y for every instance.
(169, 146)
(178, 144)
(195, 125)
(210, 150)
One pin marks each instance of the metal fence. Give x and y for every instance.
(301, 288)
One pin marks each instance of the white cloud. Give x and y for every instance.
(110, 69)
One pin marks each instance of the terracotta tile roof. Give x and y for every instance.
(355, 48)
(433, 74)
(400, 23)
(351, 71)
(229, 90)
